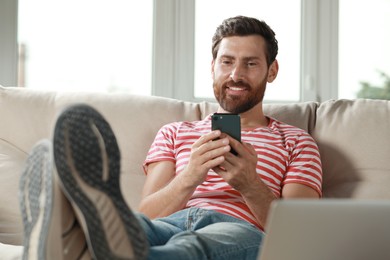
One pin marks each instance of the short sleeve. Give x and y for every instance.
(305, 164)
(163, 146)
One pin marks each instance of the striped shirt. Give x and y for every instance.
(286, 154)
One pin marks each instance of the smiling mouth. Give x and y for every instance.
(236, 88)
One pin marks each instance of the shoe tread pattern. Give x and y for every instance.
(74, 129)
(35, 182)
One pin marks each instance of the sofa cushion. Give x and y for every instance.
(355, 148)
(11, 163)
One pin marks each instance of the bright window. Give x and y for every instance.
(86, 45)
(364, 42)
(283, 16)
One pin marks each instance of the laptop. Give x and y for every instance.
(327, 229)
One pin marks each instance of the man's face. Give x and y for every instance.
(240, 73)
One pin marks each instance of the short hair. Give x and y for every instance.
(245, 26)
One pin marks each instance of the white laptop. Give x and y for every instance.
(327, 229)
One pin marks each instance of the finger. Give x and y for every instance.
(207, 138)
(250, 148)
(211, 154)
(236, 145)
(219, 170)
(228, 164)
(215, 163)
(212, 149)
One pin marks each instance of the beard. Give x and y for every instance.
(239, 104)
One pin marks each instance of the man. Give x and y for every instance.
(199, 200)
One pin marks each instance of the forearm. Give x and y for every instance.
(171, 198)
(259, 197)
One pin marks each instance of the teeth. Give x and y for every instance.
(236, 89)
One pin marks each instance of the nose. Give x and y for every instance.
(237, 73)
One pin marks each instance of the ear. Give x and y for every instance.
(273, 71)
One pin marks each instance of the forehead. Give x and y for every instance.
(242, 46)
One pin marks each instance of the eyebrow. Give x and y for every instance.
(245, 58)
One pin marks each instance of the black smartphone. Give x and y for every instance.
(227, 123)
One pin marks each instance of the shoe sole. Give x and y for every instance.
(50, 225)
(87, 158)
(35, 193)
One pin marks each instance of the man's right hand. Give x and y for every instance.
(206, 153)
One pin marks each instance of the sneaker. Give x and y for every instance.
(87, 158)
(50, 227)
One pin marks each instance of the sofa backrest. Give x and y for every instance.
(352, 137)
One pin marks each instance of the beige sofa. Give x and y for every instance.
(353, 137)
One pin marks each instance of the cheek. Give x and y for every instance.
(217, 76)
(263, 77)
(220, 71)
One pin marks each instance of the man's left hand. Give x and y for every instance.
(239, 170)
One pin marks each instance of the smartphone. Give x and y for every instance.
(227, 123)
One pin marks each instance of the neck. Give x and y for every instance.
(252, 118)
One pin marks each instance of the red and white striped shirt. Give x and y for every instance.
(286, 154)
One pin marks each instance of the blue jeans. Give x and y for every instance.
(195, 233)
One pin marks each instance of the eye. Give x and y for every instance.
(226, 62)
(251, 64)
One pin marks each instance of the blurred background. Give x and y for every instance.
(328, 49)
